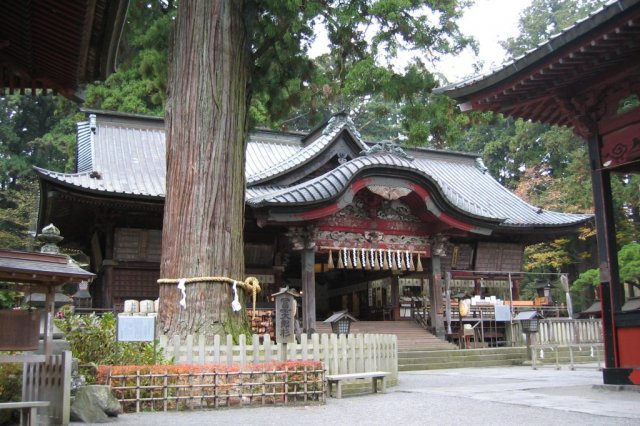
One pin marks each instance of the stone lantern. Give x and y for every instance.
(340, 322)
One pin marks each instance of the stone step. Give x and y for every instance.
(459, 352)
(489, 357)
(409, 334)
(459, 364)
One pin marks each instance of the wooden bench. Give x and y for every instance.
(28, 410)
(375, 376)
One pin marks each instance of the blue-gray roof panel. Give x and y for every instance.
(129, 159)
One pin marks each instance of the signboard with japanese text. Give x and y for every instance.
(285, 318)
(134, 328)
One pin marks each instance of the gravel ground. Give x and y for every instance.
(482, 396)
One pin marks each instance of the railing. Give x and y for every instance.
(355, 353)
(421, 315)
(46, 378)
(557, 333)
(570, 331)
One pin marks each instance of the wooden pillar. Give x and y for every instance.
(108, 268)
(435, 294)
(50, 298)
(395, 297)
(477, 287)
(308, 290)
(107, 283)
(515, 291)
(610, 289)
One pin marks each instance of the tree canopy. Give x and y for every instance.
(34, 131)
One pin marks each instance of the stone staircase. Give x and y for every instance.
(410, 335)
(420, 350)
(438, 359)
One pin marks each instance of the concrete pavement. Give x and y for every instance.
(480, 396)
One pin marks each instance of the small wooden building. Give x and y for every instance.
(585, 77)
(353, 225)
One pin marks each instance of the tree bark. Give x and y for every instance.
(206, 124)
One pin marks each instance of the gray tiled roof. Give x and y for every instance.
(336, 124)
(39, 267)
(127, 158)
(465, 185)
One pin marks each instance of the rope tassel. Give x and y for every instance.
(340, 263)
(419, 265)
(330, 262)
(250, 284)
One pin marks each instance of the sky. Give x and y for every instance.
(489, 21)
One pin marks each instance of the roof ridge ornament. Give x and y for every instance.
(387, 147)
(341, 119)
(480, 165)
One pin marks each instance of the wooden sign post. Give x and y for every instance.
(286, 308)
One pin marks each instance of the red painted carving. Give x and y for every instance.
(634, 377)
(621, 146)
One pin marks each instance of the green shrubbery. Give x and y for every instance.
(92, 339)
(10, 389)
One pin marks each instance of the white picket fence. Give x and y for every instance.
(341, 354)
(573, 334)
(563, 331)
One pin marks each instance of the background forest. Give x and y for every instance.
(547, 166)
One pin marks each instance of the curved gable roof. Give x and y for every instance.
(460, 183)
(124, 156)
(334, 127)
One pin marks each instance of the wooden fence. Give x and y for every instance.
(46, 378)
(171, 390)
(571, 334)
(570, 331)
(355, 353)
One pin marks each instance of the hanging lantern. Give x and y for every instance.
(347, 259)
(355, 258)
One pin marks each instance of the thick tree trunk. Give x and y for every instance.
(205, 128)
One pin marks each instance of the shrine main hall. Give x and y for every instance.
(352, 224)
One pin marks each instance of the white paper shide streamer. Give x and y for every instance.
(235, 304)
(182, 288)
